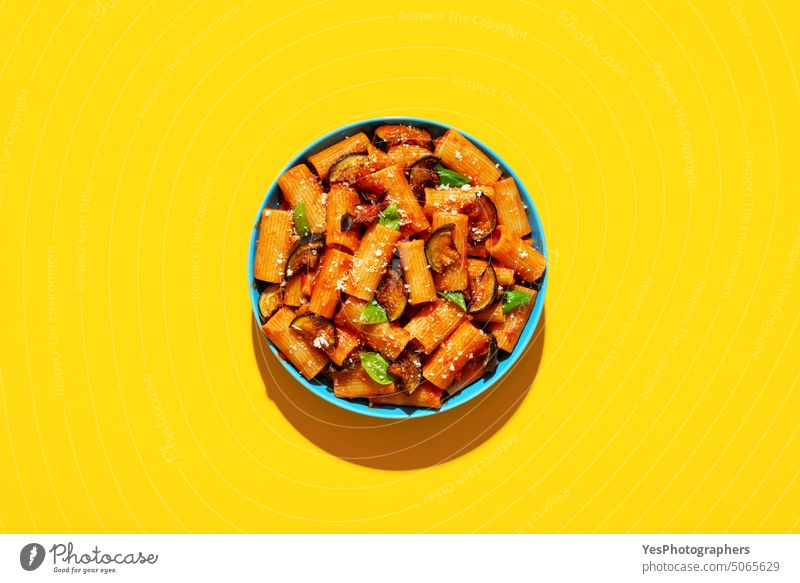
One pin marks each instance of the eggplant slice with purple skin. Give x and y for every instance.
(423, 175)
(347, 168)
(393, 135)
(490, 361)
(318, 331)
(482, 218)
(482, 290)
(440, 249)
(305, 253)
(391, 294)
(407, 370)
(269, 301)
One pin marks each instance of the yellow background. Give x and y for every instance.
(660, 144)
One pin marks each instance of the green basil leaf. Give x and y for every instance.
(390, 217)
(456, 297)
(451, 177)
(373, 313)
(301, 220)
(513, 299)
(376, 367)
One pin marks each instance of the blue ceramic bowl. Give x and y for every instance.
(507, 362)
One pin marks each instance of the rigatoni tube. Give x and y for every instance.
(272, 248)
(300, 186)
(309, 360)
(333, 270)
(454, 277)
(510, 209)
(507, 247)
(342, 199)
(508, 332)
(434, 323)
(356, 383)
(458, 153)
(393, 179)
(369, 261)
(323, 160)
(462, 346)
(415, 269)
(387, 338)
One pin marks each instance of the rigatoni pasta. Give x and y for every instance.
(393, 180)
(332, 273)
(342, 200)
(450, 200)
(299, 186)
(454, 276)
(435, 323)
(507, 247)
(392, 270)
(510, 209)
(272, 248)
(355, 382)
(458, 153)
(493, 313)
(507, 333)
(505, 275)
(463, 345)
(293, 291)
(426, 395)
(323, 160)
(419, 280)
(369, 261)
(387, 338)
(303, 355)
(346, 343)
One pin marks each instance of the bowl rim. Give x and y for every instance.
(505, 367)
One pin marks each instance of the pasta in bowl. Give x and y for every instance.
(397, 267)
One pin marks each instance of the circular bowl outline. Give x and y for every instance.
(507, 362)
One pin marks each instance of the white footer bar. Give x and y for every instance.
(401, 558)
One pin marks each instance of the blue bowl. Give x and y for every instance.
(272, 200)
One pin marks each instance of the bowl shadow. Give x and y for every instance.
(398, 444)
